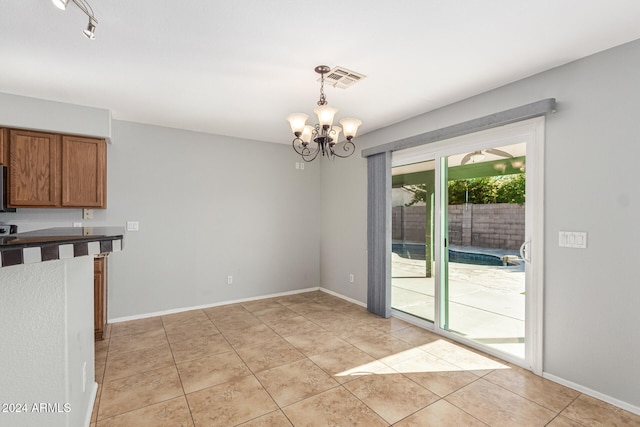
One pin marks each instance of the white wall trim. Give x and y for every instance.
(199, 307)
(346, 298)
(589, 392)
(217, 304)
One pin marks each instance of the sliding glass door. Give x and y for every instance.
(483, 281)
(463, 218)
(412, 249)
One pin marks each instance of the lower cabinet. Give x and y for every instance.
(100, 296)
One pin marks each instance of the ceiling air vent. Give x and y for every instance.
(342, 78)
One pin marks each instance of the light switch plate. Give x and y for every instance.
(572, 239)
(133, 226)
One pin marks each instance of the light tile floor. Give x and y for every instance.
(316, 360)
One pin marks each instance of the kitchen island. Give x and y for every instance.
(46, 324)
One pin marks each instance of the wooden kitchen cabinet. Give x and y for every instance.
(99, 297)
(84, 172)
(52, 170)
(34, 169)
(4, 147)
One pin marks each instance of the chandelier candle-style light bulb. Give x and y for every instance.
(325, 115)
(325, 135)
(297, 122)
(350, 127)
(307, 133)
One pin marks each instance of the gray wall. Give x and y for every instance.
(209, 207)
(592, 150)
(33, 113)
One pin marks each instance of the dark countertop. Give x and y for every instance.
(60, 235)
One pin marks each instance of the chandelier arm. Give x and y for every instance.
(298, 148)
(348, 147)
(310, 156)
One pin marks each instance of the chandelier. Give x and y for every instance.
(84, 6)
(324, 134)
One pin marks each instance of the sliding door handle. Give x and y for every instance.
(524, 251)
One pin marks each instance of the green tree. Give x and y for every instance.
(512, 189)
(485, 190)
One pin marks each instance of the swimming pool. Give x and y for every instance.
(417, 251)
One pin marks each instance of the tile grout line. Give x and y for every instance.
(175, 364)
(563, 409)
(137, 373)
(252, 371)
(338, 384)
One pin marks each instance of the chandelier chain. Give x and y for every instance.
(323, 98)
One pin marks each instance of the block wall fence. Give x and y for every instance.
(498, 225)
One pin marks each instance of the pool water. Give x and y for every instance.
(417, 251)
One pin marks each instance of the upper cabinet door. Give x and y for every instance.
(84, 172)
(34, 169)
(4, 147)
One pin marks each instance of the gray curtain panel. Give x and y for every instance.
(379, 234)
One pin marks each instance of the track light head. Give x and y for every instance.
(85, 7)
(60, 4)
(89, 32)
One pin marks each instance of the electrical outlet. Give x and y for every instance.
(87, 213)
(77, 224)
(351, 278)
(229, 280)
(133, 226)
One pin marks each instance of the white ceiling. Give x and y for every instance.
(239, 67)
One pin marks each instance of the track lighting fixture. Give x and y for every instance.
(90, 30)
(61, 4)
(85, 7)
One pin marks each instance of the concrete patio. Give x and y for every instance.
(486, 303)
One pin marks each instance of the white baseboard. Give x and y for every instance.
(199, 307)
(335, 294)
(92, 401)
(585, 390)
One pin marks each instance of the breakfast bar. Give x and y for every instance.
(46, 324)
